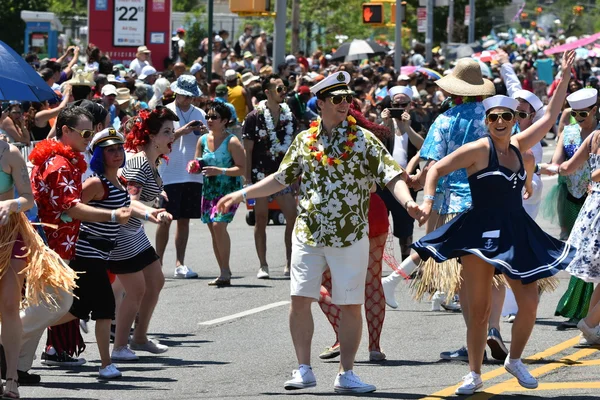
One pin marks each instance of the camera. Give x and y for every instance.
(396, 112)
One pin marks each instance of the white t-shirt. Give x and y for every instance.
(183, 149)
(400, 153)
(138, 65)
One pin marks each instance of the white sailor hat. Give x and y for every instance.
(107, 137)
(500, 101)
(334, 84)
(583, 98)
(529, 97)
(400, 90)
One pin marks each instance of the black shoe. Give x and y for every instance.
(27, 379)
(459, 355)
(63, 360)
(496, 345)
(569, 324)
(543, 143)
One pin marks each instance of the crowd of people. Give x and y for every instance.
(338, 146)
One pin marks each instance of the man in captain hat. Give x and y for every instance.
(338, 162)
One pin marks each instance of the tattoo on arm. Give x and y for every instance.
(25, 175)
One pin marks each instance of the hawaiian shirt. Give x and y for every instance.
(459, 125)
(578, 181)
(56, 188)
(334, 196)
(264, 161)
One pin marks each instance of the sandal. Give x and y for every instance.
(11, 393)
(220, 282)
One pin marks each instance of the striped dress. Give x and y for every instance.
(132, 239)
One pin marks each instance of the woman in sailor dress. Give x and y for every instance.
(496, 235)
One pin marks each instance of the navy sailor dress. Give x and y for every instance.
(497, 229)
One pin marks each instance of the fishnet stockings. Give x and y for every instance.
(374, 297)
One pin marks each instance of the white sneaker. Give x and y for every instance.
(591, 334)
(263, 272)
(123, 353)
(83, 324)
(519, 371)
(183, 272)
(437, 300)
(583, 341)
(109, 372)
(349, 382)
(150, 346)
(302, 378)
(471, 383)
(389, 284)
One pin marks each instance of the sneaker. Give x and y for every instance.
(330, 352)
(376, 356)
(496, 345)
(109, 372)
(349, 382)
(571, 323)
(511, 318)
(584, 342)
(592, 335)
(518, 370)
(389, 287)
(150, 346)
(453, 306)
(459, 355)
(471, 383)
(302, 378)
(123, 353)
(183, 272)
(437, 300)
(62, 360)
(83, 324)
(263, 272)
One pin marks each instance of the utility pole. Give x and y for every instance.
(429, 36)
(472, 21)
(295, 26)
(398, 38)
(279, 34)
(450, 20)
(210, 41)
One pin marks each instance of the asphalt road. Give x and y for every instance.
(234, 342)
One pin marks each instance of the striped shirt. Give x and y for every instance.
(93, 235)
(132, 239)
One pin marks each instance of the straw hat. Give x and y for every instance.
(82, 78)
(466, 79)
(123, 96)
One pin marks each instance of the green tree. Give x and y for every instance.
(12, 28)
(185, 5)
(69, 8)
(196, 29)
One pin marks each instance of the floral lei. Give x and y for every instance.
(285, 117)
(49, 148)
(458, 100)
(349, 127)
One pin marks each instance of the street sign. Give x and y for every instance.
(422, 20)
(372, 13)
(130, 23)
(467, 15)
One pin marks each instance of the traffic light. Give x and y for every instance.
(248, 6)
(393, 12)
(372, 13)
(578, 11)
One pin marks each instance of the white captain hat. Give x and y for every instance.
(107, 137)
(334, 84)
(500, 101)
(401, 90)
(583, 98)
(529, 97)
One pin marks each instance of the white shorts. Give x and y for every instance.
(348, 266)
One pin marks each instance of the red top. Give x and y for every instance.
(379, 222)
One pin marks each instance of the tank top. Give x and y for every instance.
(237, 98)
(577, 183)
(96, 238)
(40, 133)
(6, 182)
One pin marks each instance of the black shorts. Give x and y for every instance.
(135, 263)
(184, 200)
(93, 293)
(403, 223)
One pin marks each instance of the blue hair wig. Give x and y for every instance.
(97, 161)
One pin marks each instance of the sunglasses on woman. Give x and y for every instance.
(85, 133)
(400, 105)
(506, 116)
(523, 114)
(212, 117)
(581, 114)
(340, 97)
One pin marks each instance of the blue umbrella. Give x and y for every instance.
(18, 80)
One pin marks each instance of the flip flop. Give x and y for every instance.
(220, 282)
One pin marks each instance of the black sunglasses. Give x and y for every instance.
(212, 117)
(582, 114)
(400, 105)
(340, 97)
(506, 116)
(523, 114)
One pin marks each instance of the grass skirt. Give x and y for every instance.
(45, 273)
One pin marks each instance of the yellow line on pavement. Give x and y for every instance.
(449, 391)
(559, 385)
(586, 363)
(511, 384)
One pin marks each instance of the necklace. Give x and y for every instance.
(318, 151)
(286, 119)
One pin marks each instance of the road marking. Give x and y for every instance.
(509, 384)
(245, 313)
(449, 391)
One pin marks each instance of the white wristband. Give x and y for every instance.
(113, 216)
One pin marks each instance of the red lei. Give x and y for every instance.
(49, 148)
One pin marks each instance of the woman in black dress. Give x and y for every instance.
(496, 235)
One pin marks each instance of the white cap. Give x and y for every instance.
(500, 101)
(529, 97)
(403, 78)
(147, 71)
(336, 83)
(196, 68)
(583, 98)
(217, 39)
(290, 60)
(107, 137)
(230, 75)
(400, 90)
(108, 90)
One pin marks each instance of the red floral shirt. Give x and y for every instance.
(56, 179)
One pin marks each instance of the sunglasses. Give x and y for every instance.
(339, 98)
(582, 114)
(212, 117)
(506, 116)
(281, 89)
(523, 114)
(86, 133)
(400, 105)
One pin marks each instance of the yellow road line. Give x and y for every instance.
(559, 385)
(510, 384)
(586, 363)
(449, 391)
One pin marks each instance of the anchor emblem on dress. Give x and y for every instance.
(488, 244)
